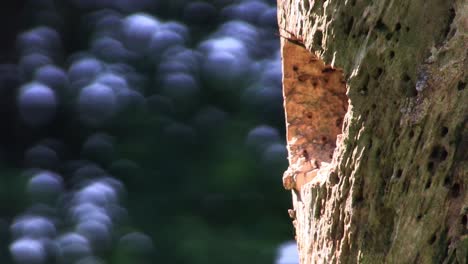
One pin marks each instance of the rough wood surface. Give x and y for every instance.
(394, 189)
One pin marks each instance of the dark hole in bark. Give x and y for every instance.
(303, 77)
(381, 26)
(455, 190)
(406, 77)
(428, 184)
(444, 131)
(461, 86)
(318, 39)
(389, 36)
(398, 173)
(464, 220)
(379, 72)
(391, 54)
(411, 134)
(432, 239)
(439, 153)
(334, 179)
(328, 69)
(449, 22)
(447, 181)
(397, 27)
(443, 155)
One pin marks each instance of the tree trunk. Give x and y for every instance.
(376, 110)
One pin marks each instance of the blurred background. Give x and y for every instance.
(142, 131)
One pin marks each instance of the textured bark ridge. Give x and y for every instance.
(376, 110)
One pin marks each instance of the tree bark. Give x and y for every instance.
(376, 115)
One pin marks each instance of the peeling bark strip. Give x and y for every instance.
(383, 180)
(315, 104)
